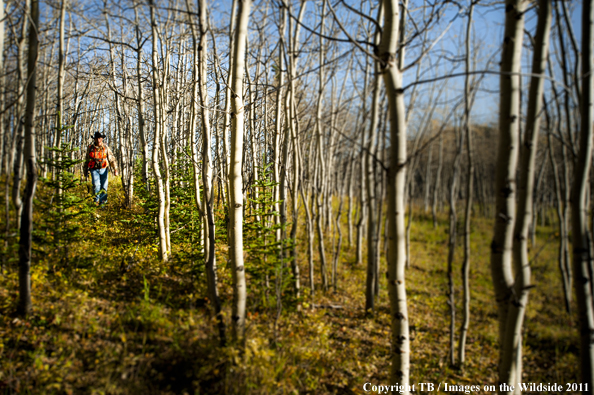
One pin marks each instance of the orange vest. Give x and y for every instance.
(98, 157)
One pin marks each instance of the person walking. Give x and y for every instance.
(98, 161)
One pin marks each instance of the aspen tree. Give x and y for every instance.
(116, 96)
(512, 351)
(505, 178)
(320, 158)
(140, 100)
(235, 175)
(292, 123)
(60, 91)
(427, 181)
(61, 71)
(47, 60)
(563, 251)
(392, 74)
(371, 185)
(361, 223)
(4, 162)
(26, 229)
(437, 185)
(229, 94)
(18, 140)
(200, 54)
(579, 208)
(563, 199)
(305, 196)
(157, 141)
(469, 191)
(278, 159)
(459, 137)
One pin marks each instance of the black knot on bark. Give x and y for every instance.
(237, 205)
(516, 303)
(240, 269)
(399, 316)
(579, 250)
(503, 218)
(513, 118)
(507, 191)
(495, 248)
(509, 7)
(235, 318)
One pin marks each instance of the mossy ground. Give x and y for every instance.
(110, 318)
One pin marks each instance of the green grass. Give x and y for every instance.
(95, 329)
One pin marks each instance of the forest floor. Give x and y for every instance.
(109, 318)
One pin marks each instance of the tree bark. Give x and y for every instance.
(371, 184)
(26, 230)
(511, 358)
(579, 208)
(505, 177)
(469, 191)
(235, 175)
(157, 141)
(400, 353)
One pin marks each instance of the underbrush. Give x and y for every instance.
(113, 319)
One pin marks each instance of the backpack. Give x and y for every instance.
(98, 157)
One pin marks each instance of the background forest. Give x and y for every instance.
(314, 196)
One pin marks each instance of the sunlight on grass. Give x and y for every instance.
(113, 319)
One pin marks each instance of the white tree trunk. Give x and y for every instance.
(400, 352)
(163, 247)
(505, 177)
(235, 176)
(512, 346)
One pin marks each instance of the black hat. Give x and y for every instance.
(98, 134)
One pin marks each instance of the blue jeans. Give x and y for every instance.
(100, 181)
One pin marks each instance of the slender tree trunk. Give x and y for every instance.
(512, 346)
(235, 175)
(229, 95)
(469, 191)
(427, 182)
(60, 94)
(140, 102)
(26, 230)
(362, 193)
(157, 103)
(205, 206)
(18, 142)
(505, 177)
(453, 198)
(436, 188)
(579, 209)
(400, 353)
(320, 158)
(563, 248)
(293, 125)
(372, 209)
